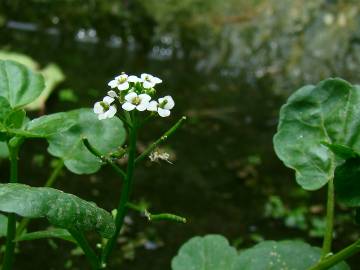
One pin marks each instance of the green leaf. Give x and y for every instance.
(347, 184)
(211, 252)
(61, 209)
(50, 233)
(272, 255)
(326, 113)
(18, 84)
(5, 109)
(3, 225)
(15, 119)
(105, 135)
(49, 125)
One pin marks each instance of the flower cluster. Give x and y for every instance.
(133, 93)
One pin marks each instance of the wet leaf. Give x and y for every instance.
(61, 209)
(18, 84)
(272, 255)
(326, 113)
(211, 252)
(347, 184)
(49, 233)
(105, 135)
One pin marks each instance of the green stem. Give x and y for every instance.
(345, 253)
(11, 226)
(163, 138)
(105, 159)
(88, 251)
(49, 183)
(326, 249)
(125, 195)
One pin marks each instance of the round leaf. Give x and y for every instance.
(271, 255)
(61, 209)
(328, 113)
(211, 252)
(18, 84)
(105, 135)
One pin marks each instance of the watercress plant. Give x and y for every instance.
(83, 140)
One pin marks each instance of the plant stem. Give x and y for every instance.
(163, 138)
(11, 226)
(125, 194)
(89, 252)
(49, 183)
(345, 253)
(97, 153)
(326, 249)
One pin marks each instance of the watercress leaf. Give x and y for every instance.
(211, 252)
(18, 84)
(347, 184)
(49, 125)
(5, 109)
(328, 112)
(61, 209)
(49, 233)
(3, 225)
(105, 135)
(15, 119)
(342, 151)
(272, 255)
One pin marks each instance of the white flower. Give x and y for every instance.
(121, 82)
(165, 105)
(133, 100)
(152, 106)
(104, 109)
(149, 81)
(112, 94)
(156, 155)
(134, 79)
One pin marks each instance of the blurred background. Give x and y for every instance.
(229, 64)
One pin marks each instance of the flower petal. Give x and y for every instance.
(98, 108)
(156, 80)
(134, 79)
(145, 97)
(152, 106)
(148, 85)
(123, 86)
(111, 112)
(108, 99)
(102, 116)
(163, 112)
(142, 106)
(127, 106)
(145, 76)
(129, 97)
(170, 103)
(113, 83)
(112, 94)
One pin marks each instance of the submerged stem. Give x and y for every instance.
(11, 226)
(125, 194)
(330, 205)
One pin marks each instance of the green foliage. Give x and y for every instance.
(106, 136)
(211, 252)
(61, 209)
(313, 115)
(3, 225)
(272, 255)
(18, 84)
(3, 150)
(49, 233)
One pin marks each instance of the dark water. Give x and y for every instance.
(213, 182)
